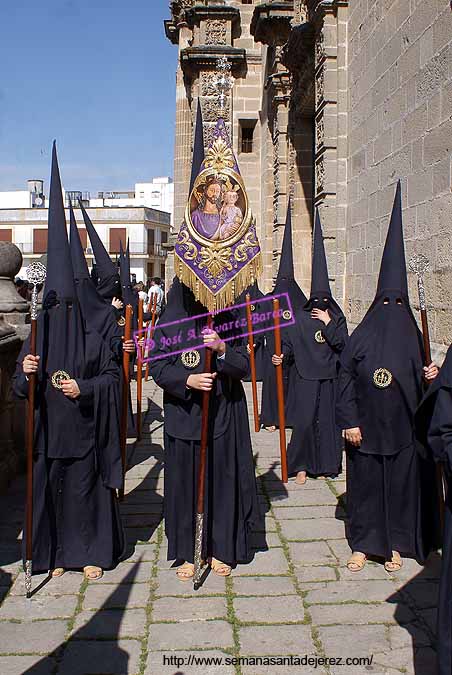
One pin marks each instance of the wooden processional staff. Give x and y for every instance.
(36, 274)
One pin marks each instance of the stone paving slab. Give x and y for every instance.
(68, 584)
(40, 637)
(121, 657)
(187, 609)
(269, 610)
(18, 665)
(109, 624)
(314, 528)
(39, 607)
(190, 635)
(262, 586)
(110, 596)
(277, 640)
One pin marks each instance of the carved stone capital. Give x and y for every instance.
(271, 22)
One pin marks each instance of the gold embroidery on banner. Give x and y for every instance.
(219, 156)
(215, 260)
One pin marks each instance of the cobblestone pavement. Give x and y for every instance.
(296, 598)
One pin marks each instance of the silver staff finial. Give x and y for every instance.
(36, 275)
(224, 80)
(419, 265)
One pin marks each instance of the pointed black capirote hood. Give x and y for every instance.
(286, 269)
(104, 265)
(77, 256)
(106, 274)
(198, 147)
(393, 265)
(60, 278)
(320, 283)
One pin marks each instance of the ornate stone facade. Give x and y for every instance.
(346, 98)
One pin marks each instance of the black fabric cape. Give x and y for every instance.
(231, 497)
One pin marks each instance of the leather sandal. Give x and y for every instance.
(185, 572)
(92, 572)
(58, 572)
(356, 562)
(221, 569)
(301, 478)
(394, 565)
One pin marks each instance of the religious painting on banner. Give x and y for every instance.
(217, 251)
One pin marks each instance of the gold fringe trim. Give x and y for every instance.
(227, 295)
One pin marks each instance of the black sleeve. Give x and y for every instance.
(347, 415)
(109, 375)
(336, 334)
(236, 363)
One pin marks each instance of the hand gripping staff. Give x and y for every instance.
(257, 425)
(36, 274)
(280, 394)
(199, 533)
(151, 332)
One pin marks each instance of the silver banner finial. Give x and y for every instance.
(36, 275)
(224, 80)
(419, 265)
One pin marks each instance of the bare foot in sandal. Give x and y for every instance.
(394, 565)
(271, 428)
(301, 478)
(58, 572)
(185, 572)
(92, 572)
(356, 562)
(220, 568)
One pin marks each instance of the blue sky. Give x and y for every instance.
(97, 75)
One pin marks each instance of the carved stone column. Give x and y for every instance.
(329, 18)
(13, 330)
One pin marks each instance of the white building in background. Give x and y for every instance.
(120, 217)
(158, 194)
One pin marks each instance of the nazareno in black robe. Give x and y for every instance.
(391, 490)
(255, 295)
(433, 422)
(285, 283)
(312, 350)
(77, 460)
(231, 498)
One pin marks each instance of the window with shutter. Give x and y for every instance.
(6, 235)
(39, 240)
(118, 235)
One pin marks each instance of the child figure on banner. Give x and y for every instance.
(231, 216)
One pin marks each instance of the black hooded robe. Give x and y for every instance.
(77, 459)
(231, 505)
(390, 489)
(433, 423)
(313, 348)
(77, 465)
